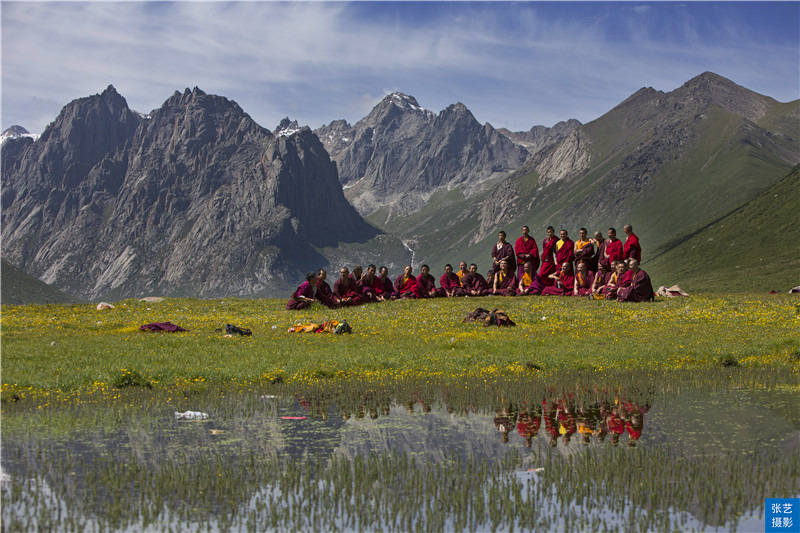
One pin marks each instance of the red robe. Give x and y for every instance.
(347, 289)
(369, 288)
(506, 251)
(585, 284)
(548, 260)
(475, 282)
(632, 248)
(614, 250)
(598, 258)
(563, 288)
(586, 254)
(385, 287)
(526, 251)
(452, 283)
(639, 290)
(622, 281)
(305, 289)
(405, 288)
(424, 285)
(565, 254)
(508, 285)
(325, 295)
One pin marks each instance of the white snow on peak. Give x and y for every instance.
(145, 116)
(346, 139)
(287, 132)
(5, 136)
(406, 102)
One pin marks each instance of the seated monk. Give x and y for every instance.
(345, 289)
(640, 289)
(386, 289)
(527, 252)
(426, 285)
(525, 284)
(450, 283)
(584, 249)
(584, 279)
(303, 296)
(404, 284)
(505, 281)
(600, 279)
(564, 282)
(368, 285)
(357, 273)
(462, 271)
(548, 258)
(617, 279)
(474, 284)
(324, 293)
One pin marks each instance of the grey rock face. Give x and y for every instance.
(540, 137)
(400, 153)
(198, 199)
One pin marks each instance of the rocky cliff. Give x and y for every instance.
(194, 198)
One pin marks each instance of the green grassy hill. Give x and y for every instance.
(754, 248)
(21, 288)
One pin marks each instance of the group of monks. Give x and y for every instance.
(600, 268)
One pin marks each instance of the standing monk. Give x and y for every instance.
(426, 285)
(324, 293)
(450, 283)
(505, 282)
(548, 257)
(475, 284)
(640, 288)
(599, 256)
(526, 251)
(345, 289)
(404, 284)
(303, 296)
(584, 250)
(632, 248)
(502, 251)
(613, 251)
(565, 250)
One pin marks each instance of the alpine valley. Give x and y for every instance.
(195, 198)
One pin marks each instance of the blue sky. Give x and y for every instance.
(513, 64)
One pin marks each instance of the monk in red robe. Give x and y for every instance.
(525, 284)
(346, 290)
(385, 290)
(450, 283)
(303, 296)
(462, 271)
(632, 247)
(505, 281)
(502, 251)
(584, 249)
(640, 289)
(600, 280)
(527, 252)
(426, 284)
(613, 251)
(599, 257)
(475, 284)
(404, 284)
(548, 257)
(324, 293)
(564, 282)
(584, 278)
(620, 278)
(368, 285)
(565, 250)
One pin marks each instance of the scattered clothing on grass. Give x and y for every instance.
(162, 326)
(331, 326)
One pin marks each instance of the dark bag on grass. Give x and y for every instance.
(498, 317)
(478, 315)
(230, 329)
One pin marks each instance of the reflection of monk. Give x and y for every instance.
(529, 423)
(550, 415)
(634, 420)
(567, 425)
(505, 420)
(616, 425)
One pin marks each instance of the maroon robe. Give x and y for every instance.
(385, 287)
(305, 289)
(584, 285)
(548, 261)
(347, 289)
(450, 283)
(369, 288)
(405, 289)
(639, 290)
(586, 254)
(526, 251)
(506, 251)
(614, 250)
(564, 287)
(425, 284)
(325, 295)
(599, 259)
(632, 248)
(508, 285)
(475, 282)
(623, 281)
(565, 254)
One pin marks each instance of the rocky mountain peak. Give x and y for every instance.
(287, 127)
(15, 131)
(710, 89)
